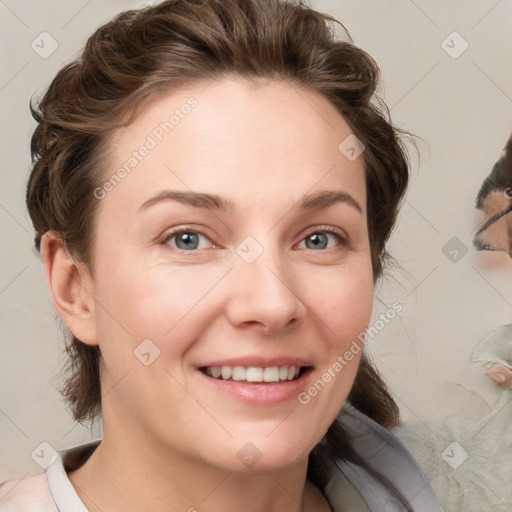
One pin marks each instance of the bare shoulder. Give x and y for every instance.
(30, 494)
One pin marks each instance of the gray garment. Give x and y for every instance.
(386, 454)
(495, 348)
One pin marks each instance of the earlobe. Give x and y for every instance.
(70, 288)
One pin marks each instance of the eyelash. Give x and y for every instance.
(338, 234)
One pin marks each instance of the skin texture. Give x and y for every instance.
(170, 439)
(501, 376)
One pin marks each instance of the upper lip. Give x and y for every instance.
(258, 362)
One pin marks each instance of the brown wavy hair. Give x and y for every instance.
(152, 51)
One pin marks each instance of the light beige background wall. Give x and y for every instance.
(459, 103)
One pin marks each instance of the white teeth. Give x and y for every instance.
(271, 374)
(226, 372)
(253, 373)
(238, 373)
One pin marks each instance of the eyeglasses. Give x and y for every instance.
(496, 233)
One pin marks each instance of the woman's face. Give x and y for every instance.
(254, 265)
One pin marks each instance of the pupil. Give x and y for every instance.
(187, 239)
(318, 239)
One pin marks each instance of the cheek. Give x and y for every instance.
(146, 324)
(150, 303)
(345, 309)
(171, 308)
(345, 304)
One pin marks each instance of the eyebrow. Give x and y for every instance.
(316, 201)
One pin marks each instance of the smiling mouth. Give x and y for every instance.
(273, 374)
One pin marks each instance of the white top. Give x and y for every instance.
(350, 487)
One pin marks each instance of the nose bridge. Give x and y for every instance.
(265, 290)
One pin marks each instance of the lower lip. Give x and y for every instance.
(263, 394)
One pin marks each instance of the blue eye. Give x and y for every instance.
(189, 240)
(320, 239)
(186, 240)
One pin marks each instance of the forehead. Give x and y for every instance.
(248, 140)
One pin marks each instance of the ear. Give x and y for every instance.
(71, 289)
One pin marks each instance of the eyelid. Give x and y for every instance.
(185, 229)
(327, 228)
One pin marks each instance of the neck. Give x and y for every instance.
(124, 474)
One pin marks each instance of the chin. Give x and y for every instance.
(278, 451)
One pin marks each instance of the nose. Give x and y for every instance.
(264, 294)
